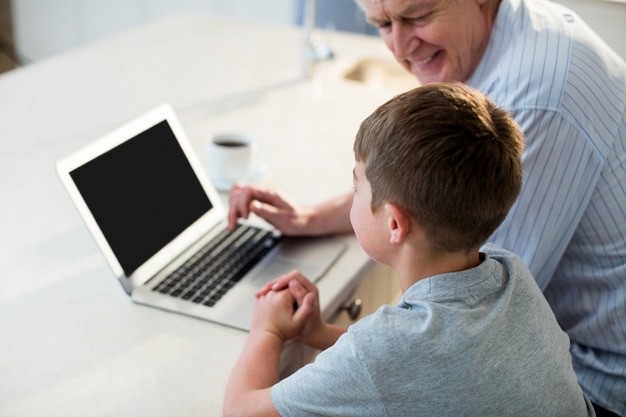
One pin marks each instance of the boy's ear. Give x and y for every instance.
(399, 223)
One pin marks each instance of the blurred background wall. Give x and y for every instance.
(31, 30)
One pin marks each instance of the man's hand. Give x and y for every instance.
(272, 206)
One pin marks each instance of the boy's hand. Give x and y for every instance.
(313, 331)
(276, 284)
(299, 286)
(279, 313)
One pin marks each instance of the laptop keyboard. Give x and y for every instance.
(218, 266)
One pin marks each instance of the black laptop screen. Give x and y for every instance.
(142, 193)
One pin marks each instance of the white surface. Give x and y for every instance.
(606, 17)
(44, 28)
(73, 344)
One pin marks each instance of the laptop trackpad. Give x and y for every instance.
(311, 256)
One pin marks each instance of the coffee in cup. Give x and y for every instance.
(230, 158)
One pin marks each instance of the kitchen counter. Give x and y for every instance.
(72, 341)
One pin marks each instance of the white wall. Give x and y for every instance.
(43, 28)
(606, 18)
(47, 27)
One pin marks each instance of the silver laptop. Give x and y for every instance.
(161, 225)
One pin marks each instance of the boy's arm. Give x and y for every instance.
(274, 322)
(324, 337)
(256, 371)
(315, 332)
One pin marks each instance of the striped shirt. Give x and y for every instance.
(567, 91)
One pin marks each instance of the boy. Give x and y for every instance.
(436, 172)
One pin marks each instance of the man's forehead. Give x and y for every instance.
(406, 3)
(400, 8)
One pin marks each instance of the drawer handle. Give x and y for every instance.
(353, 309)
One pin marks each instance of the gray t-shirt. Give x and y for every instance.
(479, 342)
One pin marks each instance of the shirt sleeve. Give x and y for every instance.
(561, 169)
(337, 383)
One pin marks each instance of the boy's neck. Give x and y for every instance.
(423, 264)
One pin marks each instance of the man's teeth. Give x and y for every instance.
(425, 60)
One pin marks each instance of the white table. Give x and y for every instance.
(72, 343)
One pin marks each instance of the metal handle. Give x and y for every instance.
(353, 309)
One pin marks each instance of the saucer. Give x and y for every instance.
(257, 174)
(221, 184)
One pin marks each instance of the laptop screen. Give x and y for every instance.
(142, 193)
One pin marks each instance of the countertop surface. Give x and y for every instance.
(72, 341)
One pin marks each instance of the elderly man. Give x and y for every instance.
(567, 91)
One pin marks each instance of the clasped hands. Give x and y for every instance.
(288, 307)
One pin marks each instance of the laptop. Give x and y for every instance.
(162, 227)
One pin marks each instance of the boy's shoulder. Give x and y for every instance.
(453, 298)
(512, 263)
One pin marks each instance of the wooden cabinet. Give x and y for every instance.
(380, 286)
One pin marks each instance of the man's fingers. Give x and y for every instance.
(239, 201)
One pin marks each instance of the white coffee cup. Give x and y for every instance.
(230, 158)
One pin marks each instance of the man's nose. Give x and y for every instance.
(403, 40)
